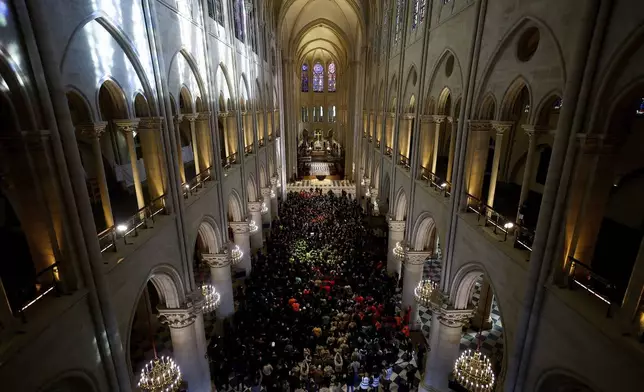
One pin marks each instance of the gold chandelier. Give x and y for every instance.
(253, 226)
(264, 208)
(400, 250)
(212, 299)
(236, 255)
(160, 375)
(473, 371)
(426, 293)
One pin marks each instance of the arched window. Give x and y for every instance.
(318, 78)
(414, 18)
(216, 11)
(238, 14)
(305, 78)
(332, 77)
(399, 17)
(385, 27)
(640, 108)
(421, 10)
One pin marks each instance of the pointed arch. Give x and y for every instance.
(210, 234)
(78, 106)
(263, 176)
(424, 230)
(225, 86)
(512, 94)
(251, 187)
(487, 111)
(184, 55)
(410, 83)
(452, 80)
(445, 101)
(400, 207)
(235, 210)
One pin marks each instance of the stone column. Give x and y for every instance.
(481, 318)
(389, 130)
(445, 339)
(477, 150)
(396, 234)
(425, 147)
(241, 236)
(128, 127)
(186, 349)
(177, 126)
(274, 205)
(149, 134)
(404, 138)
(500, 127)
(437, 120)
(93, 133)
(204, 144)
(266, 196)
(193, 139)
(413, 275)
(221, 278)
(533, 134)
(256, 238)
(231, 134)
(453, 126)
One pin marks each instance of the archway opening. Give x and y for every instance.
(187, 133)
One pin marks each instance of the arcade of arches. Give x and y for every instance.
(165, 168)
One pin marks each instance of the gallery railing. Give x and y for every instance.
(582, 275)
(403, 161)
(434, 181)
(522, 236)
(249, 149)
(45, 282)
(197, 182)
(230, 160)
(144, 218)
(261, 142)
(388, 151)
(378, 144)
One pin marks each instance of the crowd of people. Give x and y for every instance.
(319, 311)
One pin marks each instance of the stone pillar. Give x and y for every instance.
(425, 147)
(274, 205)
(389, 130)
(396, 234)
(241, 236)
(500, 127)
(481, 318)
(412, 276)
(437, 120)
(404, 138)
(149, 134)
(204, 143)
(221, 278)
(186, 345)
(193, 140)
(445, 339)
(266, 196)
(477, 150)
(128, 127)
(533, 134)
(453, 126)
(177, 126)
(231, 134)
(256, 238)
(93, 133)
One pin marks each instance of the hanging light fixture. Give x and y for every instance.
(236, 255)
(473, 371)
(426, 293)
(264, 209)
(212, 299)
(400, 250)
(253, 226)
(160, 374)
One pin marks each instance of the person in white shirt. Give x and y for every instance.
(364, 384)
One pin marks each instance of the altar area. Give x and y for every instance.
(337, 186)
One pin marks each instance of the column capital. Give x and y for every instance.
(239, 227)
(223, 114)
(204, 115)
(178, 118)
(374, 193)
(451, 120)
(254, 206)
(216, 260)
(274, 180)
(437, 118)
(127, 125)
(192, 117)
(178, 318)
(92, 130)
(502, 127)
(532, 130)
(390, 114)
(479, 125)
(151, 123)
(454, 318)
(408, 116)
(367, 181)
(395, 225)
(266, 193)
(417, 257)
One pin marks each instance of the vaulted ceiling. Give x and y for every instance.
(321, 29)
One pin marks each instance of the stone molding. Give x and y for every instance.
(454, 318)
(479, 125)
(532, 130)
(417, 258)
(395, 225)
(502, 127)
(254, 206)
(151, 123)
(178, 318)
(239, 227)
(408, 116)
(127, 125)
(274, 180)
(451, 120)
(216, 260)
(367, 182)
(178, 119)
(92, 130)
(203, 115)
(266, 193)
(192, 117)
(223, 114)
(437, 118)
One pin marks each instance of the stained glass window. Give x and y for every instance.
(238, 13)
(399, 12)
(414, 18)
(305, 78)
(318, 78)
(640, 109)
(332, 77)
(385, 27)
(421, 10)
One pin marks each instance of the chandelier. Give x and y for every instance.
(264, 208)
(253, 226)
(212, 299)
(400, 250)
(273, 194)
(160, 375)
(425, 293)
(236, 255)
(473, 371)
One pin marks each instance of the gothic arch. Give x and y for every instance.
(424, 232)
(263, 176)
(512, 94)
(18, 98)
(438, 79)
(410, 84)
(251, 187)
(225, 87)
(183, 55)
(210, 234)
(487, 110)
(401, 205)
(235, 210)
